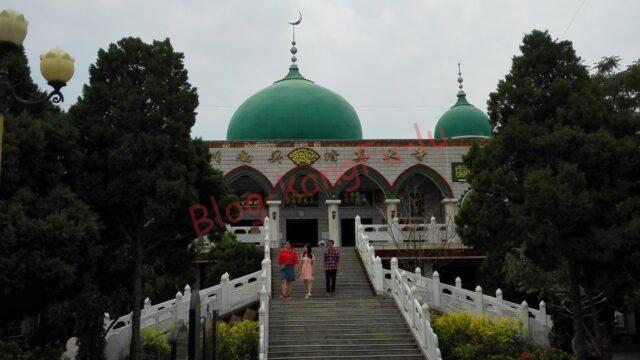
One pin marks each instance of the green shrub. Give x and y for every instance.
(236, 258)
(237, 342)
(10, 350)
(224, 341)
(155, 345)
(464, 336)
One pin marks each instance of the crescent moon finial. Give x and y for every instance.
(297, 22)
(294, 50)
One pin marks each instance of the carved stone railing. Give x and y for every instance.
(407, 287)
(249, 234)
(412, 311)
(396, 232)
(228, 296)
(372, 263)
(415, 314)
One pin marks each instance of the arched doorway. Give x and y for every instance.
(303, 216)
(362, 191)
(421, 191)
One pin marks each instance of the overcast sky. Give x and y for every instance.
(394, 61)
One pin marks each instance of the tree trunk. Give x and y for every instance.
(579, 337)
(595, 318)
(135, 350)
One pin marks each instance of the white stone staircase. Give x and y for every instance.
(354, 323)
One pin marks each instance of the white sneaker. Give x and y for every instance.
(307, 296)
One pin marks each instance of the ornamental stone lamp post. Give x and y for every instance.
(56, 67)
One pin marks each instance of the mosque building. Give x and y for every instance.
(294, 152)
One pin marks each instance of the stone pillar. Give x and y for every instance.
(450, 211)
(450, 208)
(334, 221)
(274, 222)
(392, 209)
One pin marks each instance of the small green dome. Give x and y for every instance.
(295, 108)
(463, 120)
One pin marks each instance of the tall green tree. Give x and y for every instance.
(559, 179)
(141, 171)
(49, 236)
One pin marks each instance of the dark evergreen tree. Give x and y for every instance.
(49, 236)
(559, 179)
(141, 171)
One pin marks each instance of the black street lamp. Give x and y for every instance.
(56, 67)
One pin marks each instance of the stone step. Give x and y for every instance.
(346, 320)
(343, 353)
(352, 323)
(341, 349)
(351, 357)
(356, 312)
(331, 302)
(353, 328)
(329, 339)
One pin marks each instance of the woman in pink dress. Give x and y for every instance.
(306, 272)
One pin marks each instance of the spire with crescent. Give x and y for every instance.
(294, 50)
(460, 80)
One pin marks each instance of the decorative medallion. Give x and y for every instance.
(216, 157)
(419, 154)
(361, 156)
(303, 156)
(331, 156)
(276, 156)
(244, 157)
(459, 172)
(390, 155)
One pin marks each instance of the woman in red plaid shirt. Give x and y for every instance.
(288, 262)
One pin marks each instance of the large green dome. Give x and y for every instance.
(295, 108)
(463, 120)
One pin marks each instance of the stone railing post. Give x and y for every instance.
(479, 301)
(412, 309)
(263, 318)
(426, 325)
(433, 235)
(106, 322)
(146, 309)
(394, 268)
(499, 301)
(419, 280)
(224, 293)
(266, 269)
(179, 307)
(403, 282)
(379, 277)
(524, 316)
(542, 315)
(458, 288)
(436, 289)
(396, 232)
(262, 281)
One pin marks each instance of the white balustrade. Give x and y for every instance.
(411, 289)
(249, 234)
(431, 233)
(228, 296)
